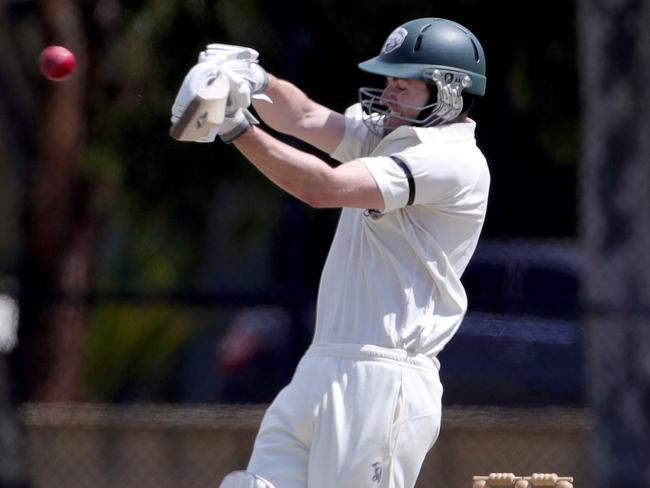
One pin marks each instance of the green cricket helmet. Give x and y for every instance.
(439, 52)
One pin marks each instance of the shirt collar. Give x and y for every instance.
(456, 131)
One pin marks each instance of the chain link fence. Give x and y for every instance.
(158, 446)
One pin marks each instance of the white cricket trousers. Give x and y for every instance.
(353, 416)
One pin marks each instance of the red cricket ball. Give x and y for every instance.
(57, 63)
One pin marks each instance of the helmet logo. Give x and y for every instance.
(395, 40)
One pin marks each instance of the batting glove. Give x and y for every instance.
(241, 89)
(224, 52)
(245, 78)
(242, 62)
(249, 72)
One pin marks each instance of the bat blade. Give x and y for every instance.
(205, 112)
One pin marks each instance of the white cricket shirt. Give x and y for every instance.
(393, 279)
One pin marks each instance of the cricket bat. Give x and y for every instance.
(205, 112)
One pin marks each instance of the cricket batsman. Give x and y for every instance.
(364, 405)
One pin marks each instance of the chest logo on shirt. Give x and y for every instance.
(373, 214)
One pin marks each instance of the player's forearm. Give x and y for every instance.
(294, 113)
(290, 106)
(303, 175)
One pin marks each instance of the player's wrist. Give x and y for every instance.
(236, 125)
(234, 133)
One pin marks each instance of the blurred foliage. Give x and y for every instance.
(133, 351)
(187, 216)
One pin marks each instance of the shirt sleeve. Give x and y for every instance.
(434, 174)
(356, 138)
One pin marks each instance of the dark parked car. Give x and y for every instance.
(521, 340)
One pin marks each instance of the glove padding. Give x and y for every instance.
(241, 65)
(244, 78)
(227, 52)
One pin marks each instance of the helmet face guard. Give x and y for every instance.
(448, 105)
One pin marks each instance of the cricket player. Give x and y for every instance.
(364, 405)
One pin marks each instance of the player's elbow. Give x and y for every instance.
(319, 198)
(320, 190)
